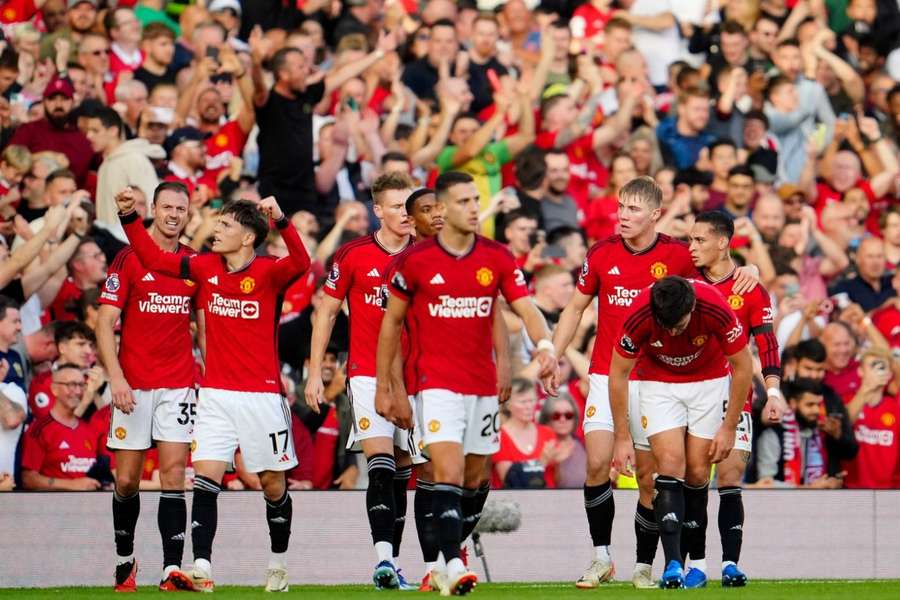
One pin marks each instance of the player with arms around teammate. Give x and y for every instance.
(449, 284)
(241, 402)
(357, 275)
(710, 239)
(151, 379)
(683, 337)
(615, 271)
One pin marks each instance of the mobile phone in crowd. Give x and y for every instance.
(841, 300)
(213, 53)
(493, 79)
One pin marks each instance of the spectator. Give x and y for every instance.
(570, 240)
(125, 163)
(722, 155)
(529, 453)
(421, 76)
(682, 138)
(553, 288)
(889, 224)
(56, 131)
(482, 57)
(186, 149)
(561, 415)
(654, 33)
(131, 99)
(872, 285)
(75, 345)
(60, 450)
(739, 194)
(873, 412)
(87, 269)
(81, 17)
(125, 32)
(558, 209)
(158, 50)
(602, 214)
(841, 366)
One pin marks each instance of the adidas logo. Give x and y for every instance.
(657, 344)
(121, 533)
(737, 528)
(284, 458)
(178, 537)
(691, 525)
(450, 514)
(669, 517)
(374, 273)
(213, 280)
(613, 271)
(278, 520)
(379, 507)
(195, 525)
(148, 277)
(437, 280)
(64, 445)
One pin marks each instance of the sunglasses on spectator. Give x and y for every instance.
(562, 416)
(99, 52)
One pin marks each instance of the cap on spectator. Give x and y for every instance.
(220, 5)
(859, 31)
(355, 2)
(761, 174)
(553, 90)
(693, 176)
(789, 190)
(181, 135)
(74, 3)
(59, 86)
(764, 164)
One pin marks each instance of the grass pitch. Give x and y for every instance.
(769, 590)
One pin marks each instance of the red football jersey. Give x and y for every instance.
(877, 431)
(697, 354)
(589, 175)
(222, 146)
(152, 302)
(241, 308)
(616, 275)
(452, 301)
(357, 275)
(40, 395)
(56, 450)
(63, 306)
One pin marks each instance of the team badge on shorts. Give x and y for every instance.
(121, 433)
(735, 301)
(193, 445)
(434, 426)
(659, 270)
(364, 423)
(247, 284)
(700, 340)
(643, 422)
(484, 276)
(421, 445)
(112, 283)
(591, 410)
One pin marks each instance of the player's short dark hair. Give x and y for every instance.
(247, 214)
(279, 59)
(393, 180)
(643, 188)
(719, 222)
(5, 304)
(59, 174)
(414, 197)
(108, 118)
(531, 167)
(671, 298)
(171, 186)
(71, 330)
(741, 170)
(794, 390)
(811, 349)
(447, 180)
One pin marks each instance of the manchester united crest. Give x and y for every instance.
(659, 270)
(735, 301)
(120, 433)
(591, 411)
(247, 284)
(434, 426)
(643, 422)
(364, 423)
(700, 340)
(484, 276)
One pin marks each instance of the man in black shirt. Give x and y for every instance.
(421, 76)
(483, 58)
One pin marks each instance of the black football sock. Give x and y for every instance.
(171, 517)
(669, 510)
(204, 516)
(447, 511)
(472, 508)
(647, 534)
(125, 516)
(731, 523)
(426, 526)
(279, 514)
(380, 497)
(693, 532)
(601, 509)
(401, 482)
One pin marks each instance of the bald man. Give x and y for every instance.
(841, 366)
(872, 286)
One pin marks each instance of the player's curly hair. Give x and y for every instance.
(670, 299)
(248, 215)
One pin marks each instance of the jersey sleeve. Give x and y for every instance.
(589, 277)
(117, 285)
(152, 256)
(402, 283)
(512, 279)
(635, 329)
(297, 262)
(763, 332)
(340, 276)
(33, 451)
(723, 324)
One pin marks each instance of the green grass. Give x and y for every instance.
(770, 590)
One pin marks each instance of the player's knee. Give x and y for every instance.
(273, 484)
(127, 484)
(697, 475)
(172, 477)
(597, 472)
(645, 483)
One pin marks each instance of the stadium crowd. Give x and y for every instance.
(782, 114)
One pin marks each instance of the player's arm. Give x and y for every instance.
(297, 261)
(323, 324)
(388, 348)
(200, 317)
(501, 351)
(763, 332)
(746, 279)
(536, 327)
(107, 317)
(569, 320)
(619, 371)
(741, 379)
(148, 252)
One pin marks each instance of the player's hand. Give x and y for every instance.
(269, 206)
(125, 201)
(84, 484)
(122, 396)
(745, 279)
(384, 403)
(314, 393)
(347, 479)
(504, 379)
(722, 444)
(401, 413)
(774, 410)
(623, 455)
(549, 371)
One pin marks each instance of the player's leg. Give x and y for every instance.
(173, 424)
(730, 477)
(426, 526)
(129, 437)
(449, 471)
(645, 530)
(401, 482)
(696, 498)
(481, 443)
(475, 491)
(279, 516)
(669, 452)
(599, 504)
